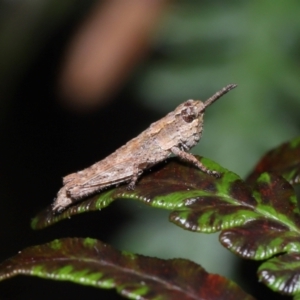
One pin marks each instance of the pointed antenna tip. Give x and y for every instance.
(231, 86)
(219, 94)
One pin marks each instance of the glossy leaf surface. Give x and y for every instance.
(90, 262)
(283, 160)
(282, 273)
(257, 219)
(203, 203)
(166, 186)
(276, 229)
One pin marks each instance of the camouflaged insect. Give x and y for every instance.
(176, 134)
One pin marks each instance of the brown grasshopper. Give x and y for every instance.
(176, 134)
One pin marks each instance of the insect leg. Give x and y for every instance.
(192, 159)
(137, 172)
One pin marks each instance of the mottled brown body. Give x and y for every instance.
(176, 134)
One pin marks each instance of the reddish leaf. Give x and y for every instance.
(277, 200)
(90, 262)
(276, 229)
(282, 274)
(257, 221)
(283, 160)
(260, 239)
(200, 202)
(168, 185)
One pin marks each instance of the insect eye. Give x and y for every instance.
(188, 103)
(189, 114)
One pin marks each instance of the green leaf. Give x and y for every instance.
(168, 185)
(90, 262)
(277, 229)
(277, 200)
(260, 239)
(227, 203)
(283, 160)
(282, 273)
(256, 221)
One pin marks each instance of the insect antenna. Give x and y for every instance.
(219, 94)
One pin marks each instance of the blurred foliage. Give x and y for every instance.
(199, 47)
(25, 29)
(205, 45)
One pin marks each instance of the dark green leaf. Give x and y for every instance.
(168, 185)
(200, 202)
(90, 262)
(257, 221)
(260, 239)
(282, 273)
(228, 205)
(275, 230)
(283, 160)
